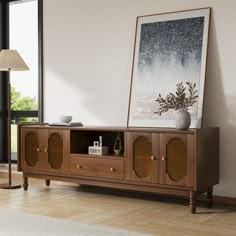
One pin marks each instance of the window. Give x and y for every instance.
(24, 30)
(23, 36)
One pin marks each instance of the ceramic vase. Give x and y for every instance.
(182, 120)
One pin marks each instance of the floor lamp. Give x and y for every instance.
(10, 60)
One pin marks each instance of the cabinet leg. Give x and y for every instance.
(192, 203)
(47, 181)
(25, 185)
(209, 196)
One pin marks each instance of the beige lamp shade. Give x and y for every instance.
(10, 60)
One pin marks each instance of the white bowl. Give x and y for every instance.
(65, 119)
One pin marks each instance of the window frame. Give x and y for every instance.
(4, 44)
(40, 53)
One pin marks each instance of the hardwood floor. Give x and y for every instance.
(134, 211)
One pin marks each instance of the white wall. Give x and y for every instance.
(88, 46)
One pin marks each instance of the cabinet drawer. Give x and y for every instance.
(97, 167)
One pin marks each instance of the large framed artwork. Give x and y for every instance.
(170, 54)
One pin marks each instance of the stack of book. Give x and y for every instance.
(70, 124)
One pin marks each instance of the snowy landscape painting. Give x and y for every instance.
(170, 49)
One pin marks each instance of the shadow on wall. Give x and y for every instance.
(217, 112)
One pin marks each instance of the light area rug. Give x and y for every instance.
(16, 223)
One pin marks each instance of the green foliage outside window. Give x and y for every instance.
(23, 103)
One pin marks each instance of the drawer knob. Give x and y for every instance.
(163, 158)
(112, 169)
(45, 149)
(79, 166)
(153, 158)
(38, 150)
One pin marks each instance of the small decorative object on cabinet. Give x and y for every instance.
(97, 148)
(180, 102)
(182, 119)
(166, 161)
(65, 119)
(118, 145)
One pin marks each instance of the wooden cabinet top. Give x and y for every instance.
(116, 128)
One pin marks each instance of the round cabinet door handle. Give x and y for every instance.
(45, 149)
(163, 158)
(79, 166)
(112, 169)
(153, 158)
(38, 150)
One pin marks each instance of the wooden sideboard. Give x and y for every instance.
(157, 160)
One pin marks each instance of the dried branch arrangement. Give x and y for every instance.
(180, 100)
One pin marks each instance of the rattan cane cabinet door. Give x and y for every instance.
(176, 159)
(56, 150)
(141, 162)
(31, 150)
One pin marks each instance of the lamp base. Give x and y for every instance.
(9, 186)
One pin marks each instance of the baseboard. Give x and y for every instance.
(225, 200)
(220, 200)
